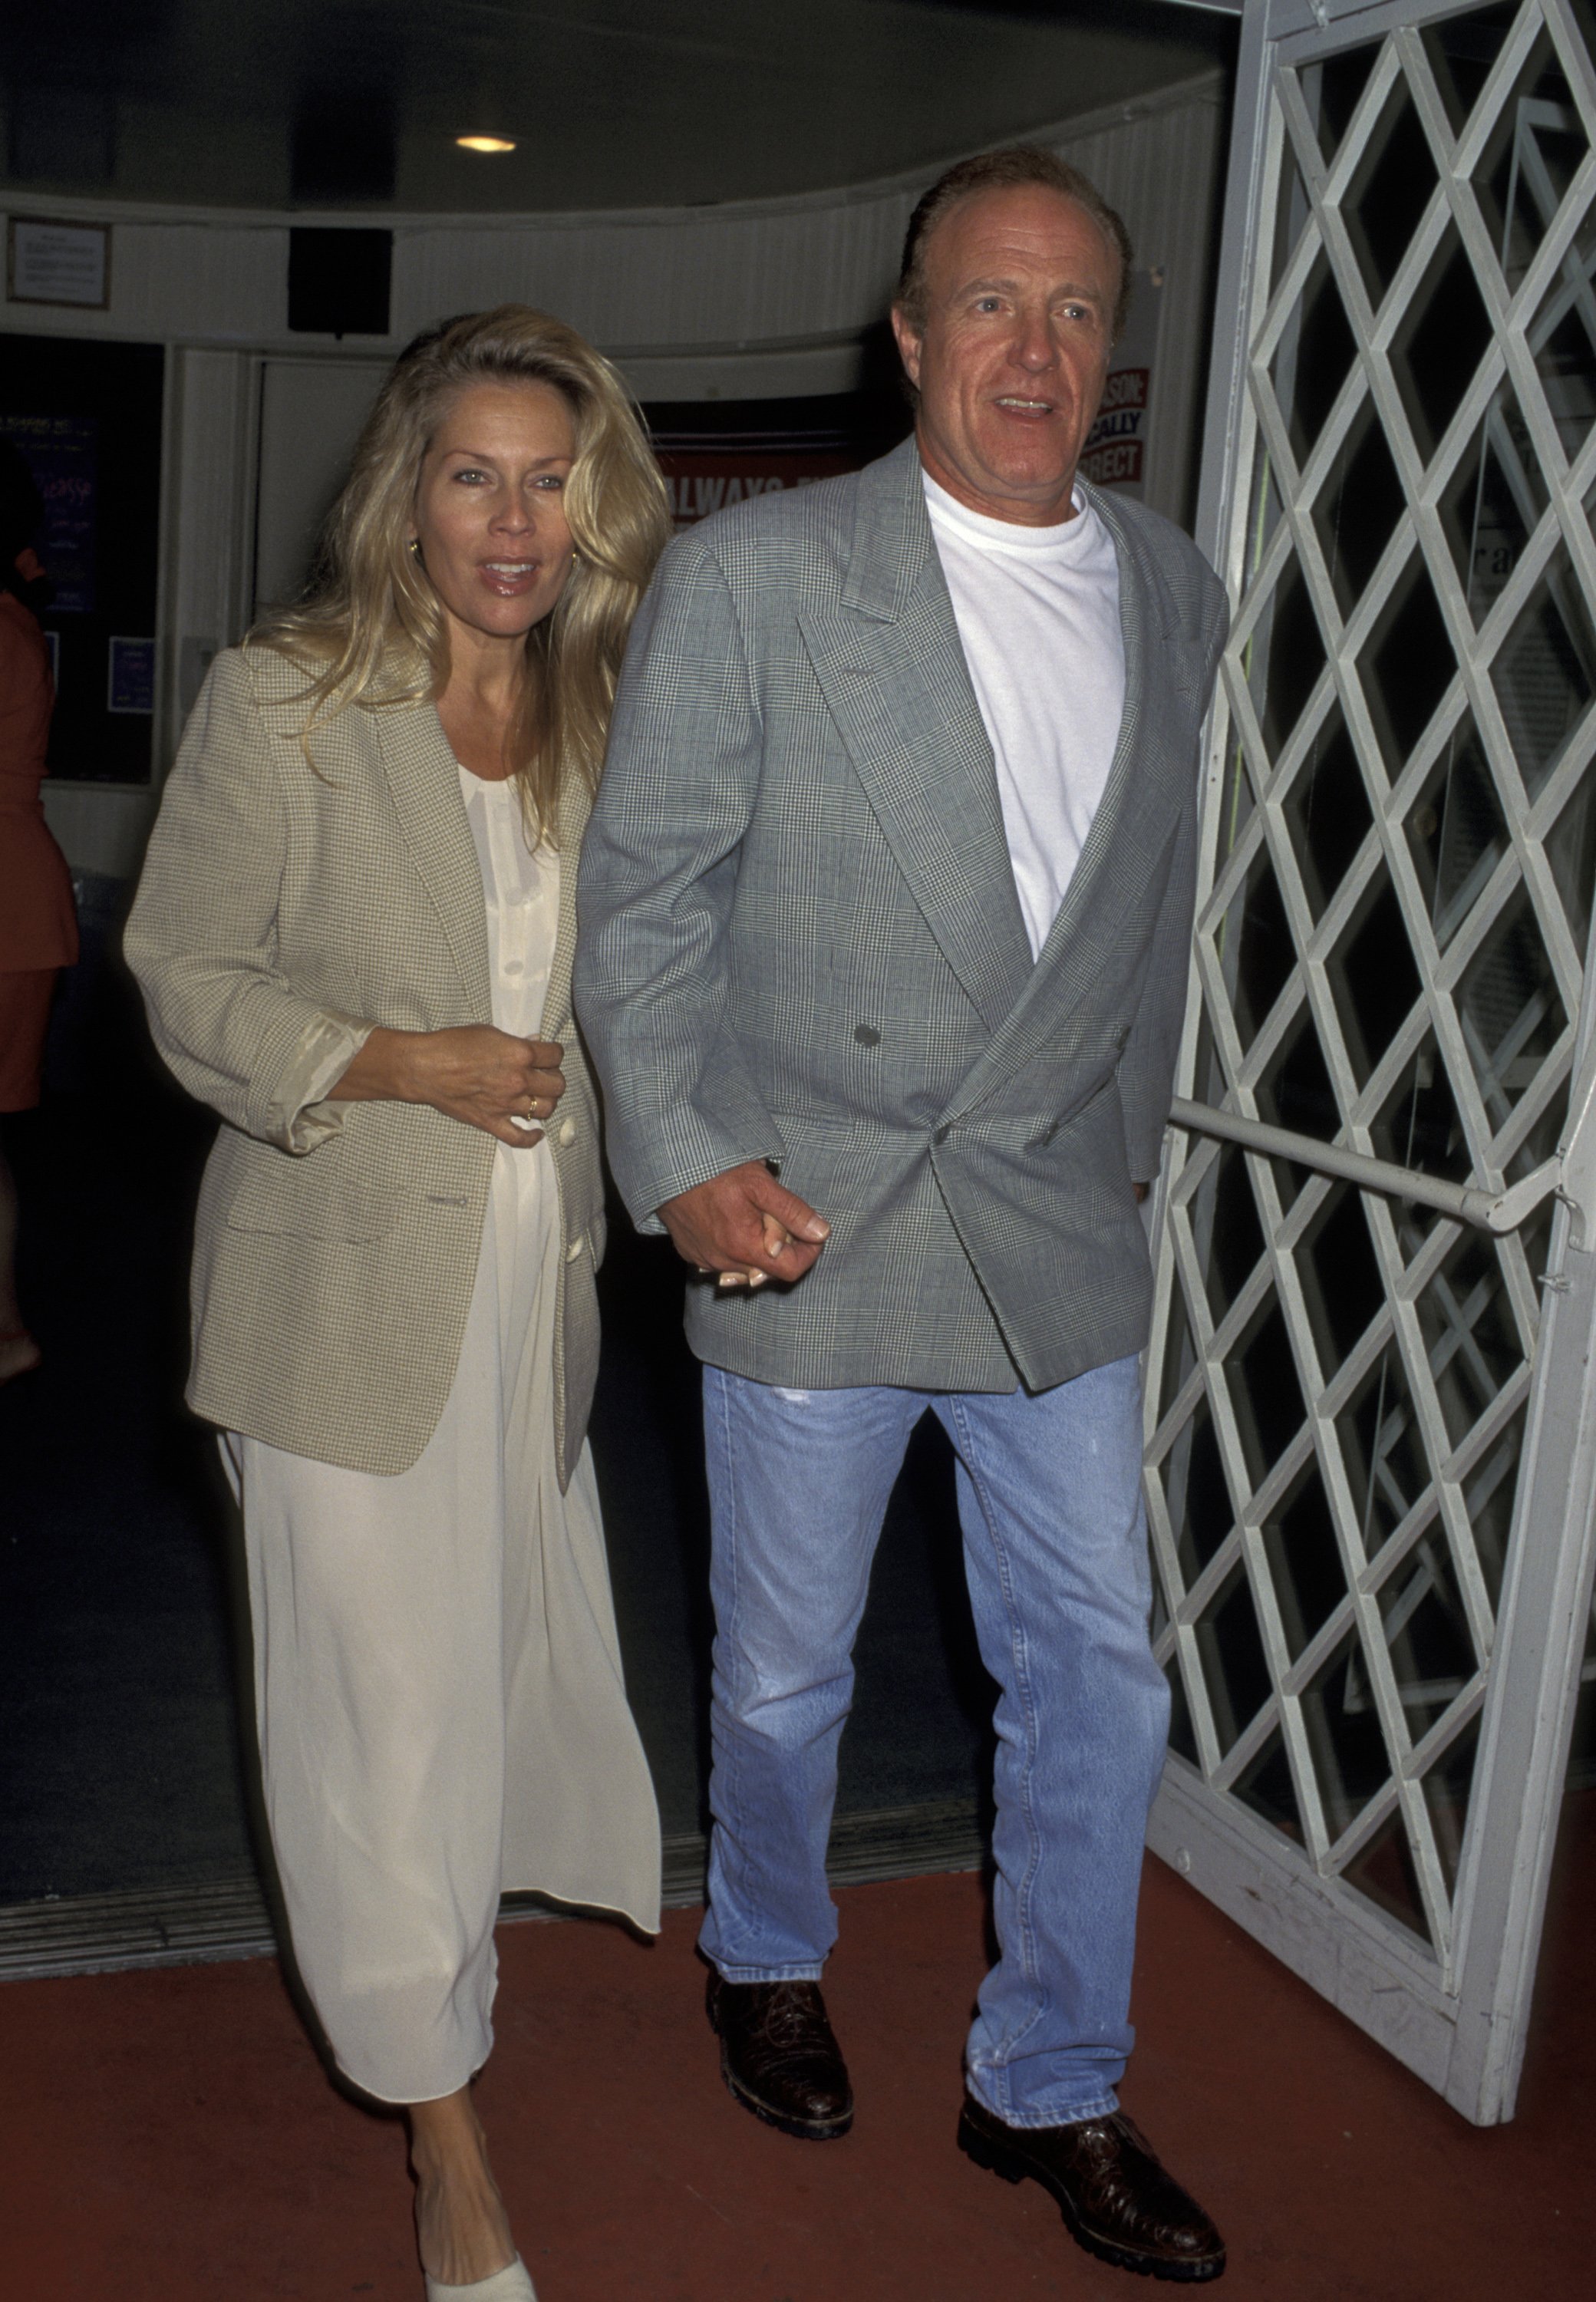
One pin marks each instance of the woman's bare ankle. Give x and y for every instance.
(461, 2226)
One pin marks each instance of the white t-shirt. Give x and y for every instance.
(1038, 615)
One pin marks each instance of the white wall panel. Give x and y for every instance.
(1161, 171)
(311, 413)
(177, 278)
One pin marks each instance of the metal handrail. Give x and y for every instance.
(1570, 1172)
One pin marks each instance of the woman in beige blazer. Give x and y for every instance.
(354, 934)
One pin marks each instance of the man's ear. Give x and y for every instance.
(909, 342)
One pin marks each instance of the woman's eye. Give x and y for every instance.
(470, 474)
(551, 481)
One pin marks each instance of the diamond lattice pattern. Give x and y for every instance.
(1392, 926)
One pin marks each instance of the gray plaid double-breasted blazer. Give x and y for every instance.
(281, 912)
(800, 939)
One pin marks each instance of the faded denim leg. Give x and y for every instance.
(798, 1484)
(1055, 1548)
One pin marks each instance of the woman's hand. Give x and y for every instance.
(480, 1076)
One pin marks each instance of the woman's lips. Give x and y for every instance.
(510, 579)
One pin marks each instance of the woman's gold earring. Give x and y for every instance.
(414, 547)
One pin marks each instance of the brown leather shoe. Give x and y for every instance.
(1116, 2199)
(780, 2056)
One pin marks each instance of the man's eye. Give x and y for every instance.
(988, 303)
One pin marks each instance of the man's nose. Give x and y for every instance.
(1034, 347)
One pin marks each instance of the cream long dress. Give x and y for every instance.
(438, 1678)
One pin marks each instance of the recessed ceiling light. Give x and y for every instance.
(485, 143)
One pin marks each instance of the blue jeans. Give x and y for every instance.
(1055, 1554)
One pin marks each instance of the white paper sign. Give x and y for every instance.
(58, 263)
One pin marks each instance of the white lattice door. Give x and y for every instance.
(1371, 1428)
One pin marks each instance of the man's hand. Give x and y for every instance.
(744, 1226)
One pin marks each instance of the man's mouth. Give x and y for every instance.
(1020, 406)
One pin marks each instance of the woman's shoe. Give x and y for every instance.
(510, 2284)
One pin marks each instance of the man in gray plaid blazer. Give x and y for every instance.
(884, 919)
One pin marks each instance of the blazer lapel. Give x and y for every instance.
(893, 674)
(1136, 815)
(573, 807)
(424, 779)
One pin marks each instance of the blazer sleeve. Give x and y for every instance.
(202, 935)
(1146, 1072)
(655, 892)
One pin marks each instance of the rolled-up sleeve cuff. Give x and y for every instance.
(297, 1117)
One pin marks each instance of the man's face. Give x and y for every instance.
(1013, 354)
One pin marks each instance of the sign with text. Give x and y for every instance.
(52, 263)
(62, 453)
(702, 481)
(717, 454)
(1116, 444)
(1115, 453)
(130, 676)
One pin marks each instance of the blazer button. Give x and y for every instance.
(942, 1135)
(568, 1131)
(866, 1037)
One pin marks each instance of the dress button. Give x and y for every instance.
(573, 1251)
(512, 967)
(568, 1131)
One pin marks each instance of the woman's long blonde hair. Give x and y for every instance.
(368, 590)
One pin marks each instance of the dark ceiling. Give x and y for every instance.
(612, 103)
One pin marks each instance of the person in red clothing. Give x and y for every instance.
(38, 927)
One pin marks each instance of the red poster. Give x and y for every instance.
(702, 480)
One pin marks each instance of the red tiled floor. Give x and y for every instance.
(169, 2138)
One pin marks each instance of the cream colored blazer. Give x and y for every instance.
(281, 913)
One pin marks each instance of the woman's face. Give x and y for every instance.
(489, 505)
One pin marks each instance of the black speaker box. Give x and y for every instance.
(339, 280)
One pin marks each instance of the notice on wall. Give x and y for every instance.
(62, 453)
(130, 676)
(1115, 454)
(50, 263)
